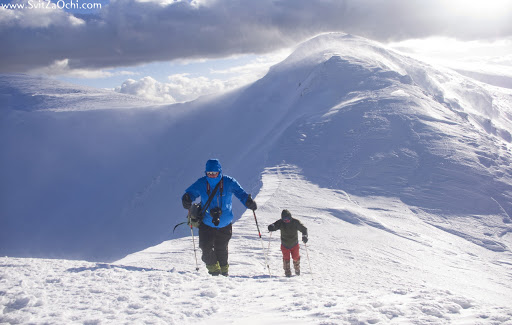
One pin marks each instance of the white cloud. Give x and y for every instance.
(487, 61)
(7, 16)
(149, 88)
(185, 88)
(180, 87)
(61, 68)
(493, 57)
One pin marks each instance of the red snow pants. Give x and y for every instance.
(294, 251)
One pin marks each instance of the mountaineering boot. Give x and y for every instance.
(296, 266)
(213, 269)
(286, 267)
(224, 270)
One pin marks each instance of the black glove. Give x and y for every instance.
(304, 238)
(250, 204)
(271, 227)
(186, 201)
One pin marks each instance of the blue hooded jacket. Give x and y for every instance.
(230, 187)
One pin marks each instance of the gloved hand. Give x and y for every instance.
(250, 204)
(186, 201)
(304, 238)
(271, 227)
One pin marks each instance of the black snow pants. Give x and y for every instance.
(214, 244)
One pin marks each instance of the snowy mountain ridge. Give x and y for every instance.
(401, 171)
(30, 93)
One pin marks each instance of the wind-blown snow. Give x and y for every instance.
(401, 171)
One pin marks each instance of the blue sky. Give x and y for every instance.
(184, 49)
(162, 70)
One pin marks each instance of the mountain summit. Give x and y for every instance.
(358, 117)
(377, 123)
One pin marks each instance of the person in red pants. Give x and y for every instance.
(290, 240)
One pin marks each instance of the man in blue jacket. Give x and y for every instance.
(216, 229)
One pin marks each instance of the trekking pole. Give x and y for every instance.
(309, 262)
(261, 239)
(194, 242)
(266, 255)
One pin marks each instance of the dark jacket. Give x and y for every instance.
(289, 236)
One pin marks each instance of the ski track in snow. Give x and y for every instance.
(362, 274)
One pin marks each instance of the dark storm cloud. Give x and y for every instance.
(128, 32)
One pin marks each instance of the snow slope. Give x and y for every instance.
(370, 265)
(401, 171)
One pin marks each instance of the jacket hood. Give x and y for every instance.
(213, 165)
(286, 215)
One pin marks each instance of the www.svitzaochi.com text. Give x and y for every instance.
(47, 4)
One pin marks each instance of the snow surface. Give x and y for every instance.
(401, 171)
(367, 265)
